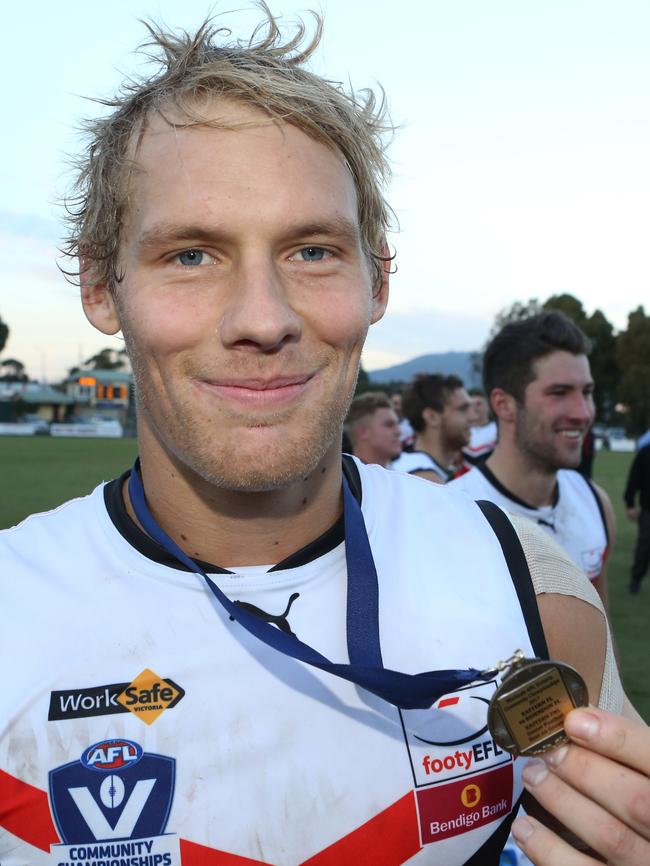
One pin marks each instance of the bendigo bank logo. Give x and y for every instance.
(147, 696)
(454, 808)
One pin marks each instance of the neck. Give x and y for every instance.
(369, 455)
(521, 477)
(234, 528)
(429, 441)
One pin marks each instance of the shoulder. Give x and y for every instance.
(413, 461)
(405, 496)
(571, 480)
(572, 613)
(470, 482)
(46, 532)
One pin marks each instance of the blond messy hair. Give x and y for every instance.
(265, 73)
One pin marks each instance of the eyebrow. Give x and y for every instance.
(163, 234)
(570, 385)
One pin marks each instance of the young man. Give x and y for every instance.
(407, 435)
(439, 410)
(537, 375)
(638, 484)
(373, 428)
(483, 432)
(167, 696)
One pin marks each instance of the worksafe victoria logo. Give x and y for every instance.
(112, 806)
(147, 697)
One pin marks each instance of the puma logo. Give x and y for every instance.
(275, 619)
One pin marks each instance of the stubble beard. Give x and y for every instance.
(234, 460)
(541, 457)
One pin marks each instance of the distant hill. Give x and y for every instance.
(447, 363)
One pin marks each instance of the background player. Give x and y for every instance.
(638, 483)
(373, 427)
(439, 410)
(536, 373)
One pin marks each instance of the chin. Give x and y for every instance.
(260, 460)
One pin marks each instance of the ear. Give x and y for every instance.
(380, 295)
(503, 405)
(97, 300)
(361, 432)
(431, 417)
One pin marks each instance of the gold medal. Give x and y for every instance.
(526, 713)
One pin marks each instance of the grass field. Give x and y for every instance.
(39, 473)
(630, 614)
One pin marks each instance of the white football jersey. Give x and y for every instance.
(575, 519)
(420, 461)
(140, 725)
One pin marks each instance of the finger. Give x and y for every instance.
(621, 791)
(544, 847)
(594, 825)
(616, 737)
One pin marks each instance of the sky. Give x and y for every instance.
(521, 162)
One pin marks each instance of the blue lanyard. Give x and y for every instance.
(366, 669)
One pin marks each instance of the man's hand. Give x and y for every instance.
(598, 787)
(633, 514)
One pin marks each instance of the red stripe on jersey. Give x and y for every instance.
(390, 838)
(25, 812)
(448, 702)
(193, 854)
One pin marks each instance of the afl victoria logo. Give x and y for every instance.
(111, 755)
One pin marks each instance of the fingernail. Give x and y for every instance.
(582, 724)
(522, 829)
(555, 757)
(534, 772)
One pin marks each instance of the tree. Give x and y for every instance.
(633, 354)
(568, 305)
(106, 359)
(13, 371)
(4, 334)
(603, 358)
(514, 313)
(363, 381)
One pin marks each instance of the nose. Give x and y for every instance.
(583, 409)
(259, 315)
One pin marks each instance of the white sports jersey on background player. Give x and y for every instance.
(420, 461)
(139, 722)
(575, 519)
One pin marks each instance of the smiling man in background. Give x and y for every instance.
(536, 374)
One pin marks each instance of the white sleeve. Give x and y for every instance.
(553, 572)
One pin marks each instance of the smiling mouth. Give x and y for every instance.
(262, 393)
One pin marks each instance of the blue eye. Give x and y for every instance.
(191, 257)
(312, 254)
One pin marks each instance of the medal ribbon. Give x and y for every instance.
(408, 691)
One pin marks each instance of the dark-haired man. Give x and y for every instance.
(373, 427)
(638, 484)
(211, 659)
(536, 373)
(439, 410)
